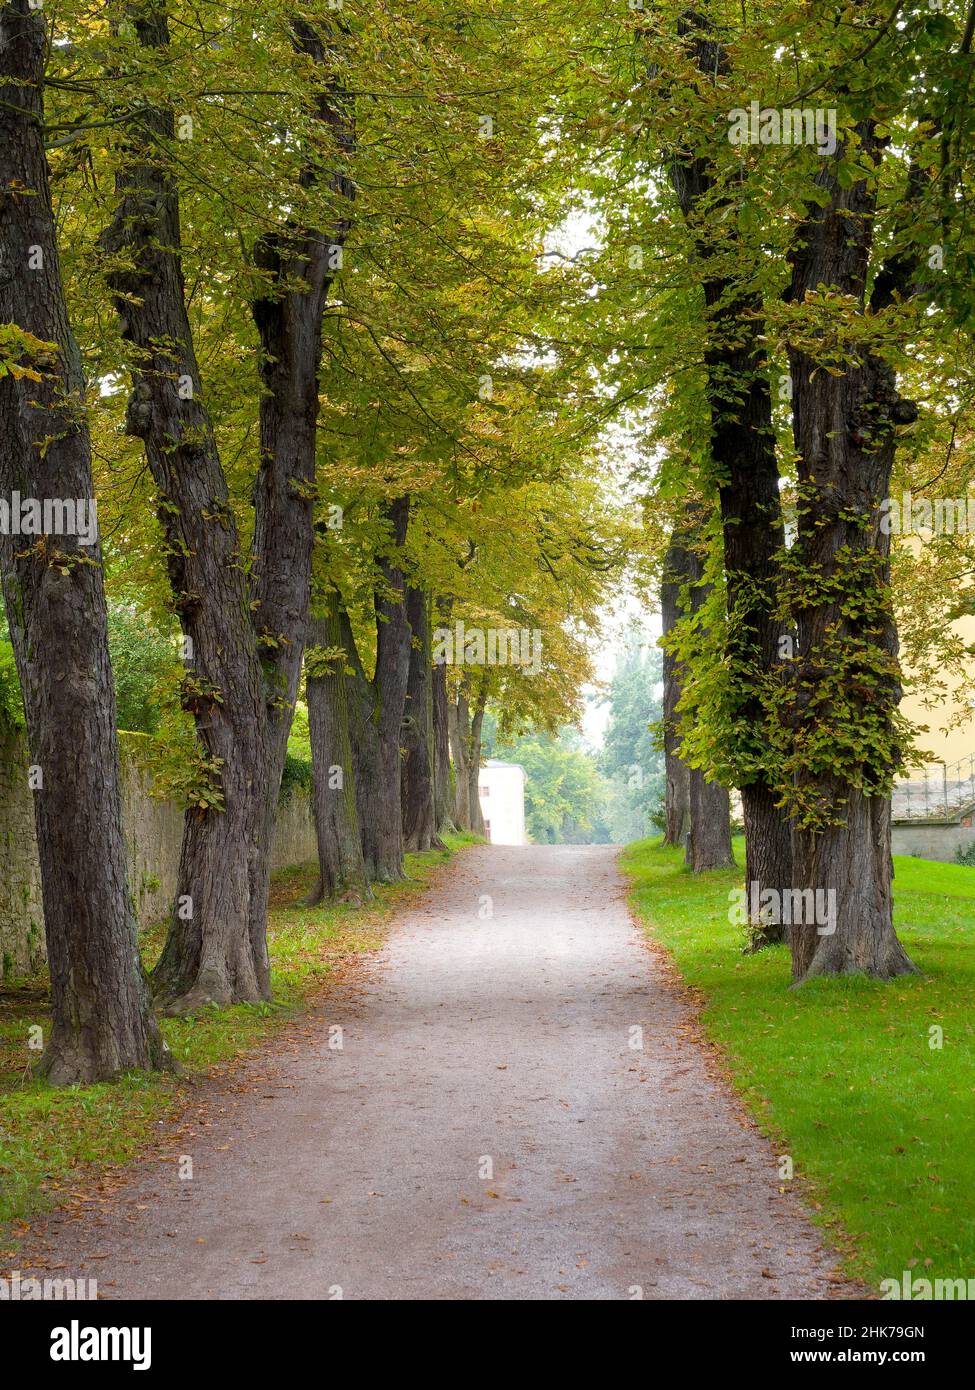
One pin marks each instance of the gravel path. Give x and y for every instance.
(487, 1129)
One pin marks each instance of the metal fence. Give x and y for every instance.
(938, 791)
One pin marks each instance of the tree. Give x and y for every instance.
(847, 642)
(210, 955)
(244, 640)
(55, 600)
(746, 478)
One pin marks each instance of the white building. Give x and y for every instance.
(501, 791)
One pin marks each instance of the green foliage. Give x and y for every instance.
(564, 791)
(631, 756)
(299, 740)
(179, 766)
(323, 661)
(24, 355)
(297, 776)
(144, 664)
(11, 704)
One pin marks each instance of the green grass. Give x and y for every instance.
(48, 1136)
(880, 1126)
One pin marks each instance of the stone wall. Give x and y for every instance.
(931, 839)
(153, 831)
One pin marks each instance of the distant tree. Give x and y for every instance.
(565, 793)
(631, 755)
(145, 664)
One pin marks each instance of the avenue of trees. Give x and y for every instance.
(366, 325)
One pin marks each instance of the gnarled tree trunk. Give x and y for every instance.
(246, 656)
(102, 1023)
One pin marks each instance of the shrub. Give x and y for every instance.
(145, 666)
(296, 776)
(11, 704)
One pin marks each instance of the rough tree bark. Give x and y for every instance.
(417, 776)
(845, 434)
(342, 872)
(210, 954)
(709, 833)
(102, 1023)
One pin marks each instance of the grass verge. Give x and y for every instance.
(846, 1075)
(47, 1134)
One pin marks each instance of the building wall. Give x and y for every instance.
(949, 745)
(502, 797)
(153, 833)
(939, 841)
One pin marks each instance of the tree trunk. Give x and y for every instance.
(459, 724)
(417, 784)
(443, 789)
(210, 955)
(378, 715)
(709, 836)
(443, 800)
(342, 872)
(102, 1023)
(768, 858)
(474, 764)
(846, 677)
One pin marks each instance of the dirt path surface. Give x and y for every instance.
(496, 1028)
